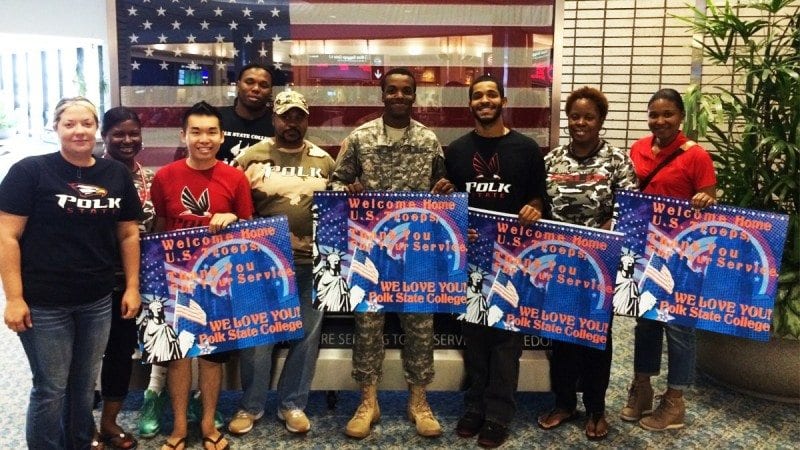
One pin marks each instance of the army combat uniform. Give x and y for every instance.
(413, 163)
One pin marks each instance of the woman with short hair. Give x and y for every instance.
(582, 179)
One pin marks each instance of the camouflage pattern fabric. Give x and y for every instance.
(142, 179)
(283, 183)
(415, 163)
(368, 351)
(582, 191)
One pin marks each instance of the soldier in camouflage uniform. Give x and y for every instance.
(392, 153)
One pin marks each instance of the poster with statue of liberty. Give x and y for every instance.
(205, 293)
(714, 269)
(390, 252)
(548, 279)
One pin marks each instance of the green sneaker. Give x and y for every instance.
(219, 422)
(195, 411)
(150, 415)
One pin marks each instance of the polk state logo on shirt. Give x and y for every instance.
(90, 199)
(290, 171)
(487, 179)
(244, 140)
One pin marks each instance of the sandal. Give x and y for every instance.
(119, 441)
(97, 443)
(596, 427)
(561, 415)
(215, 442)
(174, 445)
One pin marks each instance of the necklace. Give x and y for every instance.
(141, 189)
(594, 151)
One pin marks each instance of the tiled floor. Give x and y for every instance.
(717, 418)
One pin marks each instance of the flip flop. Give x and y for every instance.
(215, 442)
(119, 441)
(180, 443)
(569, 417)
(594, 420)
(97, 443)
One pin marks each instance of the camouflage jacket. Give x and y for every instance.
(582, 191)
(414, 163)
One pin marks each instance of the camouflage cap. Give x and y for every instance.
(287, 100)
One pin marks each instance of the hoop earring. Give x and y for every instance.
(602, 132)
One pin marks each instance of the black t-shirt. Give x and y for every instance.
(500, 173)
(241, 133)
(69, 247)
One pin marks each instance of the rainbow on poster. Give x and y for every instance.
(205, 293)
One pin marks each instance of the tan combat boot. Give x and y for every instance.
(640, 400)
(419, 412)
(668, 416)
(368, 413)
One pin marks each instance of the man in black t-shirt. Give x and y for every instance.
(502, 170)
(249, 120)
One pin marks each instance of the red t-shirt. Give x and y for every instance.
(683, 177)
(188, 198)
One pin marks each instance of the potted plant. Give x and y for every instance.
(754, 129)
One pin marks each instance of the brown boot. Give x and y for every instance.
(668, 416)
(640, 400)
(419, 412)
(368, 413)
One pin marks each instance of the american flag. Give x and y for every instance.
(193, 312)
(657, 271)
(173, 53)
(362, 265)
(503, 287)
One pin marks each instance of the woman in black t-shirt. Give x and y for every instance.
(66, 219)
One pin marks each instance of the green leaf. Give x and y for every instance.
(754, 123)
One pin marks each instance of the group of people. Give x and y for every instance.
(70, 226)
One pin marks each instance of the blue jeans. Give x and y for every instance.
(681, 351)
(298, 371)
(64, 349)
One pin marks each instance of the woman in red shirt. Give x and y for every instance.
(667, 163)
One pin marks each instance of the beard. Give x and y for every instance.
(289, 138)
(488, 120)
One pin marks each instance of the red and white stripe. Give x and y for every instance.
(662, 277)
(192, 312)
(507, 29)
(366, 269)
(506, 290)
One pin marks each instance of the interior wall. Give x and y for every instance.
(628, 49)
(73, 18)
